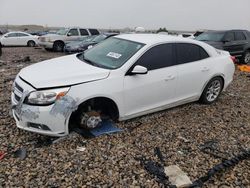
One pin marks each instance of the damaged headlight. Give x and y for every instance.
(46, 97)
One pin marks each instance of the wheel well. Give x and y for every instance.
(58, 41)
(31, 41)
(105, 104)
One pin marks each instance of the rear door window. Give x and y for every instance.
(187, 53)
(12, 35)
(157, 57)
(229, 36)
(240, 36)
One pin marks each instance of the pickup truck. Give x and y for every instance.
(56, 42)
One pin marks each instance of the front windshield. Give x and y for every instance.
(111, 53)
(62, 31)
(99, 38)
(213, 36)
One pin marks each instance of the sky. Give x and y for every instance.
(187, 15)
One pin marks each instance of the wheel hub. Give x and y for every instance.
(91, 120)
(213, 90)
(247, 58)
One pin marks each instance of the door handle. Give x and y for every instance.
(170, 77)
(205, 69)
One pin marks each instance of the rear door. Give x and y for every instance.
(157, 87)
(229, 44)
(193, 70)
(240, 42)
(23, 39)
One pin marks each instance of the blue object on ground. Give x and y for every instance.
(106, 127)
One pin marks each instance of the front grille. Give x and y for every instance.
(17, 98)
(19, 87)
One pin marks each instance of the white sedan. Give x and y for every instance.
(121, 78)
(18, 38)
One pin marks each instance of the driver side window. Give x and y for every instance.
(157, 57)
(229, 36)
(73, 32)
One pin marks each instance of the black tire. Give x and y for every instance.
(58, 46)
(212, 91)
(31, 43)
(246, 58)
(48, 49)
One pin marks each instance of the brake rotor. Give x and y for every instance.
(90, 120)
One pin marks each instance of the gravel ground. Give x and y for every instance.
(112, 160)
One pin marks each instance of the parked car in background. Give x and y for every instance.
(237, 42)
(18, 38)
(80, 46)
(187, 35)
(56, 42)
(123, 77)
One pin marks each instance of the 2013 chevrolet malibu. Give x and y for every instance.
(121, 78)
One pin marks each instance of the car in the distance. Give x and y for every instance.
(121, 78)
(56, 42)
(236, 42)
(80, 46)
(18, 38)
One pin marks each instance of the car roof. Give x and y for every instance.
(153, 38)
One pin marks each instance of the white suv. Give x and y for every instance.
(121, 78)
(57, 41)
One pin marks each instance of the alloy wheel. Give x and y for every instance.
(213, 90)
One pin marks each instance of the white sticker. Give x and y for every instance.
(114, 55)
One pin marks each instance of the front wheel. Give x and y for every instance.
(58, 46)
(246, 58)
(212, 91)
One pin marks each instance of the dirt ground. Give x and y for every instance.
(114, 160)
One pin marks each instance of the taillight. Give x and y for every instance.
(234, 59)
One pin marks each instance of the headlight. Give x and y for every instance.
(46, 97)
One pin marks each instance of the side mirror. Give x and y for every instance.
(138, 69)
(69, 34)
(6, 36)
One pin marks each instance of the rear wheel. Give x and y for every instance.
(212, 91)
(246, 57)
(58, 46)
(31, 43)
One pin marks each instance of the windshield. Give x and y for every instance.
(62, 31)
(215, 36)
(99, 38)
(111, 53)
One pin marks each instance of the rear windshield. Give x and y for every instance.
(111, 53)
(213, 36)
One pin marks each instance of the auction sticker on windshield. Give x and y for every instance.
(114, 55)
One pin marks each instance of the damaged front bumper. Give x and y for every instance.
(49, 120)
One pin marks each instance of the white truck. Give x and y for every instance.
(56, 42)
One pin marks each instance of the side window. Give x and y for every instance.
(12, 35)
(94, 31)
(84, 32)
(240, 36)
(73, 32)
(189, 53)
(229, 36)
(22, 35)
(157, 57)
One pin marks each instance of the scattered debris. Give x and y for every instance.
(244, 68)
(2, 154)
(80, 148)
(177, 177)
(25, 59)
(20, 153)
(158, 153)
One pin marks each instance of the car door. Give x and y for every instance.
(84, 33)
(144, 92)
(193, 70)
(22, 39)
(229, 43)
(73, 34)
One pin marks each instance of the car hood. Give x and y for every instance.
(62, 71)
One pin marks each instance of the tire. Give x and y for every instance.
(246, 58)
(31, 43)
(58, 46)
(212, 91)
